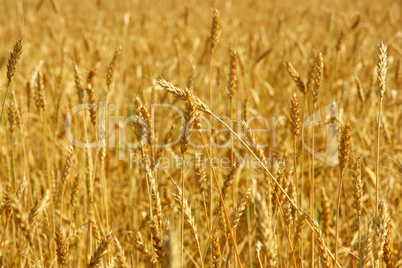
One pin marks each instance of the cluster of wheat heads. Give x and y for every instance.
(231, 90)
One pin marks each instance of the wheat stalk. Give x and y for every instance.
(358, 192)
(241, 206)
(381, 76)
(13, 61)
(387, 249)
(214, 30)
(344, 152)
(91, 97)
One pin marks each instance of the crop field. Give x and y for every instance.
(200, 133)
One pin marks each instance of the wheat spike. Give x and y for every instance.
(256, 148)
(78, 84)
(325, 212)
(345, 146)
(214, 29)
(299, 229)
(182, 94)
(74, 191)
(398, 73)
(33, 213)
(67, 166)
(156, 202)
(340, 42)
(366, 249)
(112, 66)
(216, 250)
(241, 206)
(232, 82)
(228, 181)
(381, 68)
(190, 80)
(200, 175)
(15, 57)
(295, 116)
(141, 245)
(358, 186)
(91, 97)
(120, 258)
(322, 249)
(296, 78)
(76, 234)
(356, 22)
(95, 228)
(20, 217)
(100, 251)
(62, 248)
(319, 69)
(13, 113)
(163, 146)
(287, 213)
(387, 249)
(157, 240)
(380, 230)
(40, 98)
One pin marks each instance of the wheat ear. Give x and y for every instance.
(61, 248)
(214, 30)
(387, 249)
(322, 249)
(380, 231)
(112, 67)
(13, 61)
(296, 78)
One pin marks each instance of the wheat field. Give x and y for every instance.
(201, 133)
